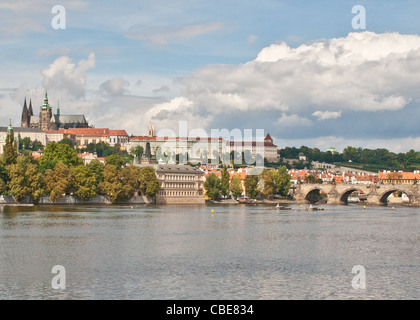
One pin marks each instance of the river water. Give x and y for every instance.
(188, 252)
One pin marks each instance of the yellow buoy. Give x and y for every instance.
(393, 208)
(364, 207)
(301, 206)
(212, 210)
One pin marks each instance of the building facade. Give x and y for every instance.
(179, 184)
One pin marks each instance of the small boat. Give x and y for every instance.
(251, 201)
(311, 208)
(279, 207)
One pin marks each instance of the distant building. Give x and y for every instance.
(47, 121)
(267, 149)
(31, 133)
(399, 177)
(85, 136)
(179, 184)
(333, 150)
(89, 157)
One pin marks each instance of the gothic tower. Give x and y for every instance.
(25, 116)
(151, 131)
(45, 115)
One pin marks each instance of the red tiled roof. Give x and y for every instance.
(118, 133)
(88, 131)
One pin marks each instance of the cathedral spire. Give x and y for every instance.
(31, 111)
(58, 108)
(25, 115)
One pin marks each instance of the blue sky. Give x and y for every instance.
(126, 63)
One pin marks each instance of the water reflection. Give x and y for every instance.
(188, 252)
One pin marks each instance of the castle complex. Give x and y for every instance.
(47, 121)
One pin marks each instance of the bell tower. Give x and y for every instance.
(45, 114)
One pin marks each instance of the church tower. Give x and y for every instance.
(25, 116)
(45, 114)
(151, 131)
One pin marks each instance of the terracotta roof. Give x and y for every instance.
(118, 133)
(88, 131)
(399, 175)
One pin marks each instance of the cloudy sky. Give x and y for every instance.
(296, 69)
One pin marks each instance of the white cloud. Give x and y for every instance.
(65, 77)
(362, 72)
(325, 115)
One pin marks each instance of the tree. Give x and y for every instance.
(25, 179)
(213, 186)
(149, 183)
(97, 169)
(130, 178)
(55, 153)
(10, 150)
(282, 182)
(138, 152)
(236, 186)
(84, 183)
(251, 186)
(58, 181)
(225, 181)
(67, 141)
(112, 185)
(115, 160)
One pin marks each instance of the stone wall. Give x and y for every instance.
(180, 200)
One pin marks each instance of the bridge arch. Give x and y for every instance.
(346, 193)
(313, 195)
(383, 198)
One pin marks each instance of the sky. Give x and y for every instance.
(300, 70)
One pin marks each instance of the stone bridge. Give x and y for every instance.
(376, 194)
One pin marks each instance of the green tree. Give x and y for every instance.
(149, 183)
(236, 186)
(97, 169)
(225, 181)
(10, 150)
(115, 160)
(138, 152)
(130, 179)
(55, 153)
(112, 185)
(213, 186)
(25, 180)
(67, 141)
(282, 181)
(252, 186)
(58, 181)
(84, 183)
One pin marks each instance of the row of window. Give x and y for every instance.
(178, 177)
(179, 185)
(180, 193)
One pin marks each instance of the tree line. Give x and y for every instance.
(376, 159)
(59, 171)
(269, 183)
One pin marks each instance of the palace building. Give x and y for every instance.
(46, 120)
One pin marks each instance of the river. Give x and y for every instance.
(190, 252)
